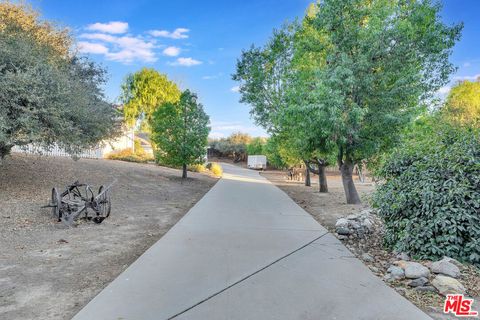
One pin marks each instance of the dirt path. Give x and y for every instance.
(48, 271)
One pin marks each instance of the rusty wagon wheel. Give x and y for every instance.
(56, 204)
(104, 206)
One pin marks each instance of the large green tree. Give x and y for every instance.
(276, 81)
(48, 98)
(144, 91)
(180, 132)
(384, 61)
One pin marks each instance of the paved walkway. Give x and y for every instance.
(246, 251)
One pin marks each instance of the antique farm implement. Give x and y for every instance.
(80, 201)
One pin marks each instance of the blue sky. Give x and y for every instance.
(196, 43)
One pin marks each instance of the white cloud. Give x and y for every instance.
(235, 89)
(216, 135)
(229, 126)
(179, 33)
(471, 78)
(171, 51)
(222, 129)
(98, 36)
(125, 49)
(444, 90)
(114, 27)
(185, 62)
(94, 48)
(212, 77)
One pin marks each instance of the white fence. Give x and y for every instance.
(126, 141)
(96, 153)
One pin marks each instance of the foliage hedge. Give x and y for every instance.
(430, 198)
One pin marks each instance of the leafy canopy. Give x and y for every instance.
(383, 61)
(463, 103)
(430, 197)
(45, 100)
(144, 91)
(20, 19)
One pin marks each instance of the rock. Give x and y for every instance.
(367, 258)
(403, 256)
(401, 263)
(343, 231)
(419, 282)
(366, 212)
(374, 269)
(388, 277)
(367, 224)
(451, 260)
(341, 223)
(354, 225)
(414, 270)
(446, 285)
(342, 237)
(396, 272)
(445, 267)
(426, 289)
(352, 216)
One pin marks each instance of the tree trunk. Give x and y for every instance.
(346, 169)
(184, 174)
(307, 176)
(322, 179)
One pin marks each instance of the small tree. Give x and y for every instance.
(180, 131)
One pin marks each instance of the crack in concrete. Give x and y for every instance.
(246, 277)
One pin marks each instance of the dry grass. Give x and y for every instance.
(48, 271)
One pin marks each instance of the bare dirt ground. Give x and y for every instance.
(49, 271)
(326, 208)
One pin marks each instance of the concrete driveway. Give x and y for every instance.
(247, 251)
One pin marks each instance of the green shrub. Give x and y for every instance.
(129, 155)
(196, 168)
(430, 197)
(215, 168)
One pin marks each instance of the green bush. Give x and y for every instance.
(196, 168)
(430, 195)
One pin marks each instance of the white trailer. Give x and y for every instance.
(257, 162)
